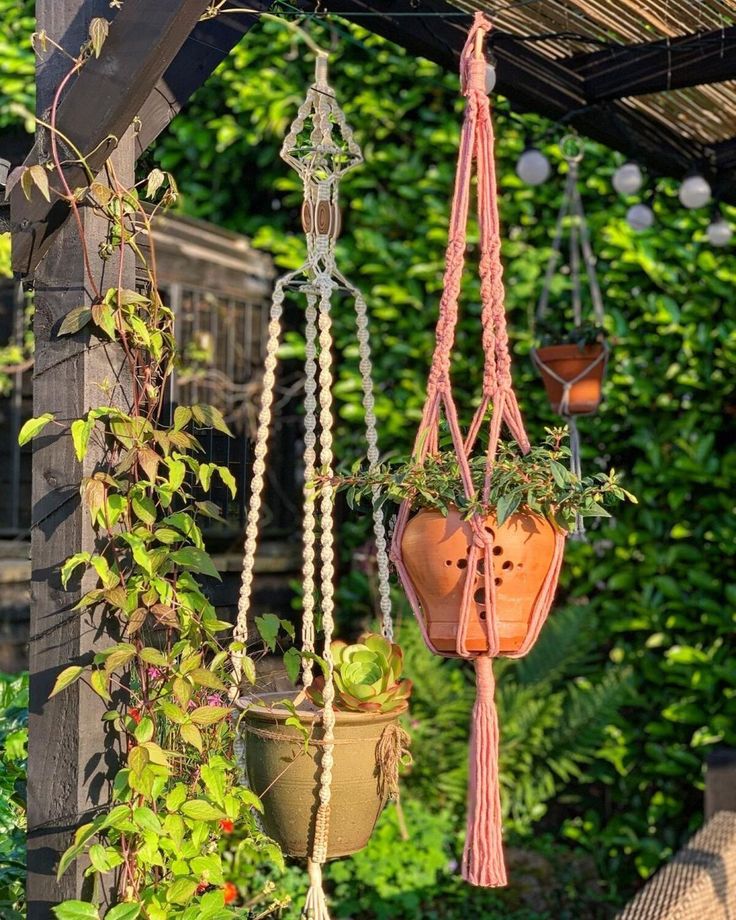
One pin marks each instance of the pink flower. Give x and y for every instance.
(154, 673)
(214, 699)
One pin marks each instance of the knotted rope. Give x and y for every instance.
(321, 154)
(483, 856)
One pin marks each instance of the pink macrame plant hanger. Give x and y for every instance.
(483, 862)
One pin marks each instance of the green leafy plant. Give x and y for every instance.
(177, 796)
(551, 331)
(367, 676)
(539, 482)
(13, 754)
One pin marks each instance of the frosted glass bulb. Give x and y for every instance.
(490, 78)
(627, 180)
(694, 192)
(719, 232)
(533, 167)
(640, 217)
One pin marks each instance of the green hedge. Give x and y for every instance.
(656, 584)
(656, 581)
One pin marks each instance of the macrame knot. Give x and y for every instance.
(476, 79)
(485, 681)
(473, 69)
(481, 537)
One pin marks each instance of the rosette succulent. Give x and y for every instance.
(367, 676)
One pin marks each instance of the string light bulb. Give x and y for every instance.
(533, 167)
(719, 232)
(490, 77)
(627, 180)
(694, 192)
(640, 217)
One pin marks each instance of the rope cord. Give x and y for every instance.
(580, 250)
(483, 855)
(321, 158)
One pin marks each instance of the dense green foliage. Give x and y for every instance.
(538, 482)
(13, 742)
(654, 583)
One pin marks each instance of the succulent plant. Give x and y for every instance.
(367, 676)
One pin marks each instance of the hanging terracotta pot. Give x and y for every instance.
(585, 366)
(286, 777)
(435, 552)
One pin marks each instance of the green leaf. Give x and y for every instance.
(76, 910)
(181, 891)
(507, 505)
(144, 730)
(81, 430)
(99, 682)
(292, 663)
(126, 911)
(75, 320)
(206, 678)
(176, 797)
(145, 509)
(67, 677)
(201, 810)
(192, 735)
(210, 417)
(155, 180)
(196, 560)
(33, 427)
(209, 715)
(147, 820)
(98, 29)
(268, 627)
(71, 564)
(182, 417)
(227, 477)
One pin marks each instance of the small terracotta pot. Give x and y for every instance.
(287, 777)
(568, 361)
(435, 552)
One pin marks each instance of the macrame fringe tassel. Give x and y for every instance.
(483, 863)
(315, 905)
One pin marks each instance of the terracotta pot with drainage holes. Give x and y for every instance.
(435, 552)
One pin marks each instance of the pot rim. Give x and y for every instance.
(265, 713)
(567, 350)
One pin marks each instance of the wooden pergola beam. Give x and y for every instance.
(203, 50)
(531, 82)
(98, 109)
(655, 67)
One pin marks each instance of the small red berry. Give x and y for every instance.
(230, 892)
(227, 825)
(135, 715)
(202, 887)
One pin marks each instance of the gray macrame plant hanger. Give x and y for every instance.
(580, 251)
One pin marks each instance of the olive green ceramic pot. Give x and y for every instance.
(286, 776)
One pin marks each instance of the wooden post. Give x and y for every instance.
(70, 757)
(720, 781)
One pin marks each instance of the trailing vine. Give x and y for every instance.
(177, 805)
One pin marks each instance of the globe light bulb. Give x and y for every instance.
(640, 217)
(533, 167)
(627, 180)
(719, 232)
(490, 78)
(694, 192)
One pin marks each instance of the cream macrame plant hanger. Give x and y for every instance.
(580, 250)
(321, 156)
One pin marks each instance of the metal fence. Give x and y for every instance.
(219, 290)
